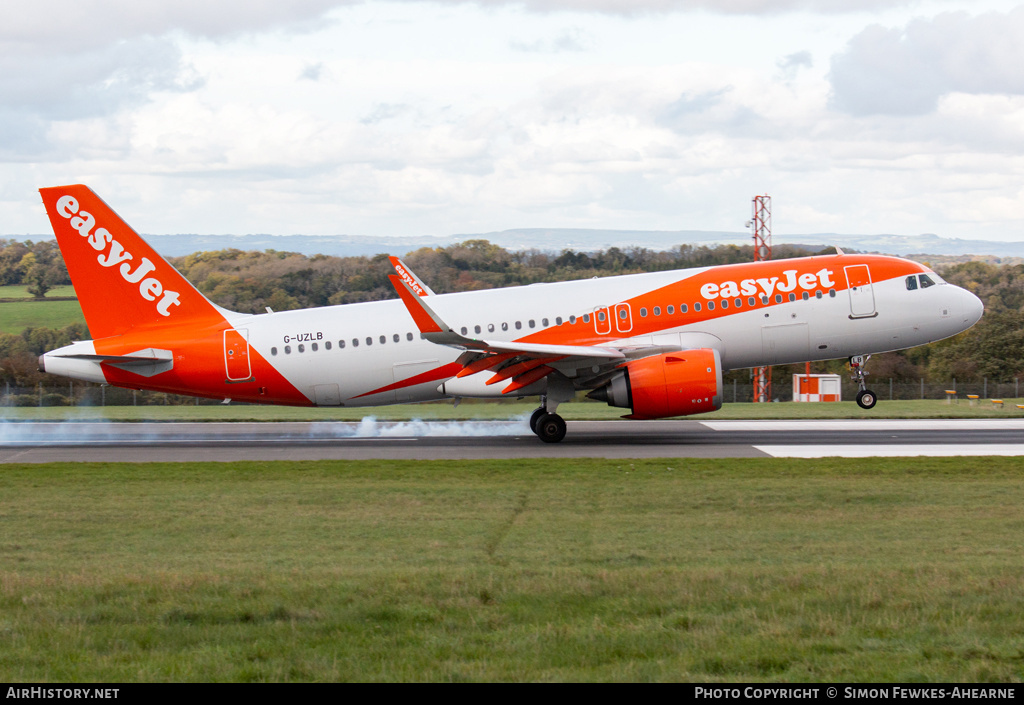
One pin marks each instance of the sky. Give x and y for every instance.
(432, 118)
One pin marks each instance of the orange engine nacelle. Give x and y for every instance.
(673, 384)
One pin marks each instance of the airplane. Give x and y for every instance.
(655, 343)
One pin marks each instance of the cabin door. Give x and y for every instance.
(862, 295)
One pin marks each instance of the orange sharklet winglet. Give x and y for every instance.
(414, 282)
(424, 317)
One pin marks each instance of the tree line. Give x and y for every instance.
(248, 281)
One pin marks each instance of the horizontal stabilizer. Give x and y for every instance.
(142, 357)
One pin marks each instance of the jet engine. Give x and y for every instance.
(672, 384)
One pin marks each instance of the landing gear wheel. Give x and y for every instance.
(550, 428)
(538, 412)
(866, 399)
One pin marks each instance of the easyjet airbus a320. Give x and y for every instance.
(655, 344)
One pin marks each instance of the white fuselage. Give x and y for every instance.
(370, 346)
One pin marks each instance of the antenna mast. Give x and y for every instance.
(761, 224)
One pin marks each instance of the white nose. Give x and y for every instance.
(972, 308)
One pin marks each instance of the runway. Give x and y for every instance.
(38, 442)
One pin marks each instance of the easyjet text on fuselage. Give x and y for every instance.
(766, 286)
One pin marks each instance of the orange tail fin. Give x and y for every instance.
(121, 282)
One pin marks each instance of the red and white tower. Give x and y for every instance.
(761, 224)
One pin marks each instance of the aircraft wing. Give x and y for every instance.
(522, 363)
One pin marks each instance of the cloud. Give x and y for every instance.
(312, 72)
(567, 40)
(61, 87)
(906, 71)
(73, 25)
(727, 7)
(38, 89)
(791, 64)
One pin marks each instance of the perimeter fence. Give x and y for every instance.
(70, 393)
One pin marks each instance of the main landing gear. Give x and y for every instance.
(550, 428)
(866, 399)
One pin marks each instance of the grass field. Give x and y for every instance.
(748, 570)
(479, 410)
(15, 316)
(20, 291)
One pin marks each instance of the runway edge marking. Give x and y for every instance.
(901, 451)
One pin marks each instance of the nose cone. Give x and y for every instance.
(972, 308)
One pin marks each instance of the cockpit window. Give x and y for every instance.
(911, 282)
(926, 281)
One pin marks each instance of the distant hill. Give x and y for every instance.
(557, 239)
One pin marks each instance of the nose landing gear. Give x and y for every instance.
(866, 399)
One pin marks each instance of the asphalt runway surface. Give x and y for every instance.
(37, 442)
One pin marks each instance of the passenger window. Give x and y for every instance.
(287, 349)
(696, 308)
(764, 299)
(519, 325)
(926, 281)
(832, 293)
(586, 318)
(504, 326)
(383, 339)
(314, 347)
(355, 342)
(817, 294)
(490, 327)
(683, 308)
(657, 310)
(327, 345)
(341, 344)
(408, 336)
(369, 340)
(572, 320)
(806, 296)
(911, 283)
(396, 337)
(544, 322)
(476, 329)
(711, 305)
(792, 297)
(751, 301)
(643, 313)
(738, 303)
(558, 321)
(601, 316)
(725, 303)
(778, 298)
(273, 351)
(670, 310)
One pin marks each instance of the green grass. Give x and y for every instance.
(20, 291)
(480, 410)
(702, 570)
(15, 316)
